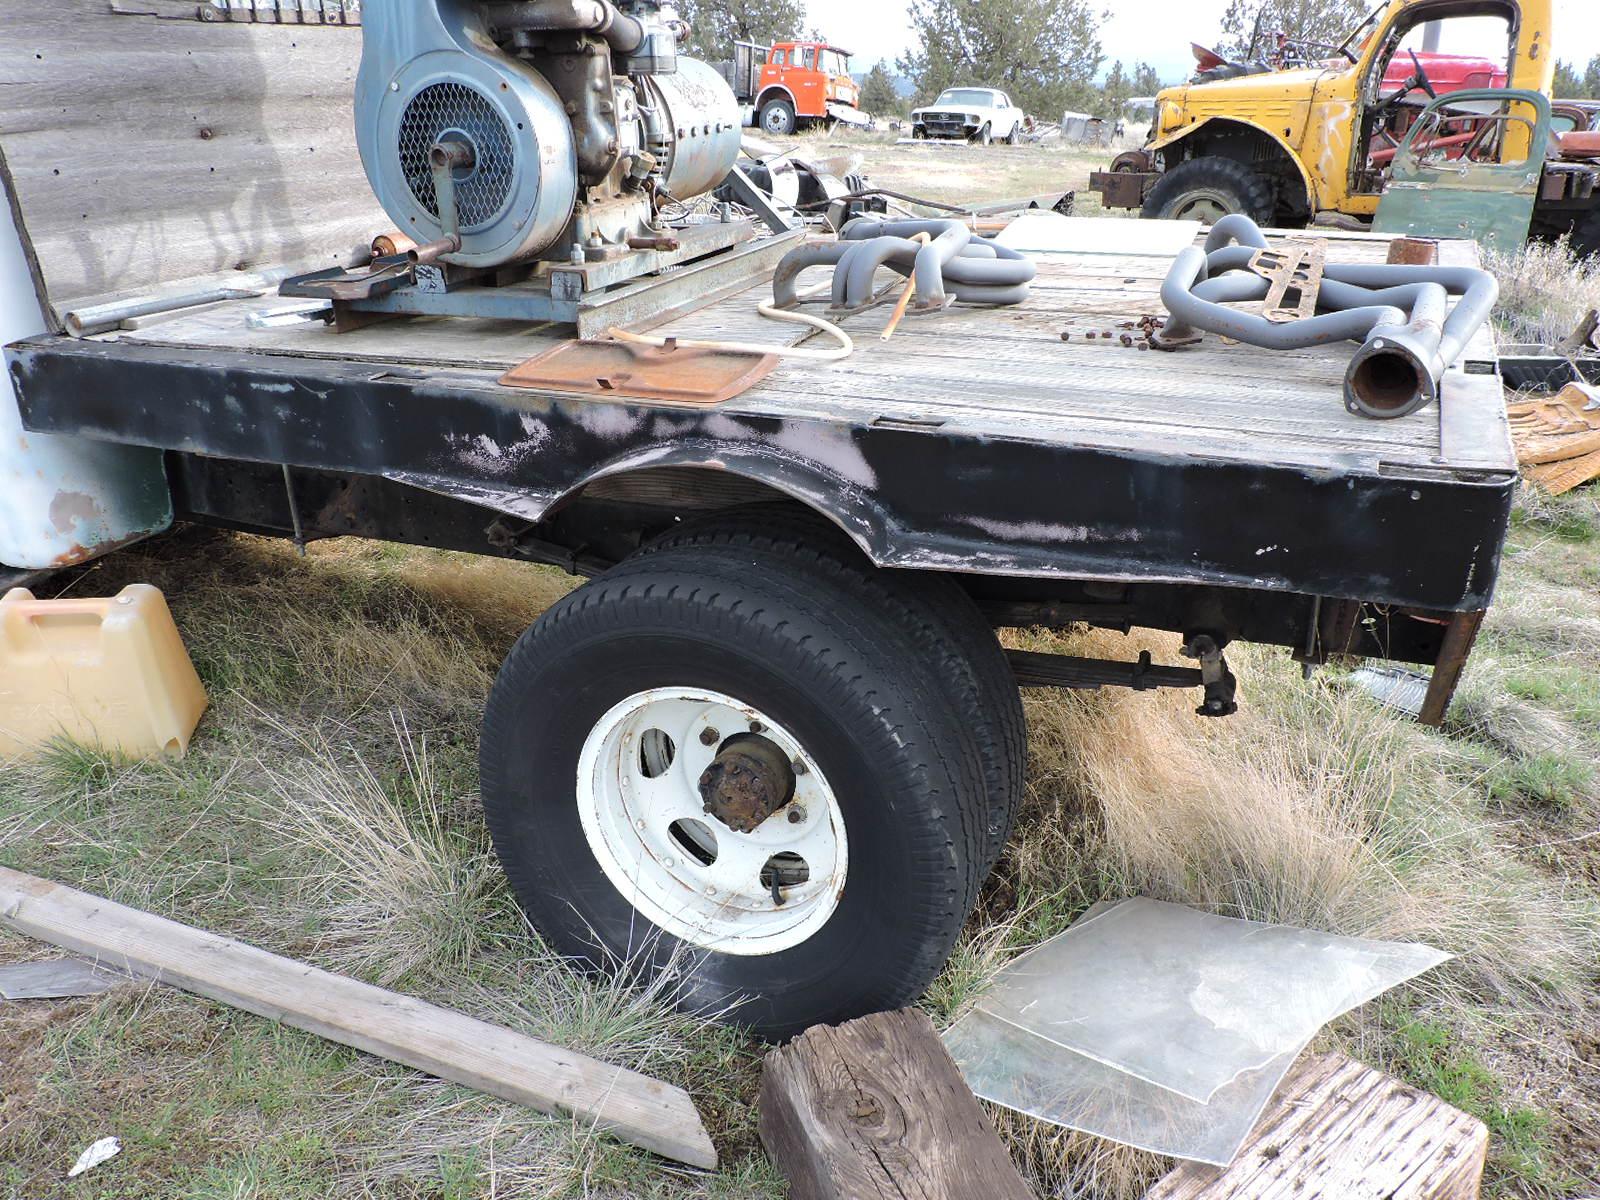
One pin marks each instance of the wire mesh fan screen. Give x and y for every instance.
(455, 109)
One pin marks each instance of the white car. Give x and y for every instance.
(972, 114)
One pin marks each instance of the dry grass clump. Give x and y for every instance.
(1545, 290)
(398, 877)
(1311, 807)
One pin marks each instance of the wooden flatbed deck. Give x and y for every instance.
(999, 372)
(976, 441)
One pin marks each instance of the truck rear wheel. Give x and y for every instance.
(1207, 189)
(737, 782)
(950, 631)
(778, 116)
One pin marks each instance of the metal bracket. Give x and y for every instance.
(752, 197)
(1221, 688)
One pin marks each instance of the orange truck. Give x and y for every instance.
(791, 86)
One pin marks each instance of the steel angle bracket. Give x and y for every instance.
(1294, 269)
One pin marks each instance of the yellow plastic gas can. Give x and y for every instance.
(111, 673)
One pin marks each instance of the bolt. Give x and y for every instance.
(669, 862)
(796, 814)
(709, 736)
(639, 825)
(711, 891)
(1127, 339)
(1066, 335)
(1091, 335)
(800, 767)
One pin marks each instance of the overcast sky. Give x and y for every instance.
(874, 29)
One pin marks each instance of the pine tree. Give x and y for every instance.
(1323, 22)
(1043, 53)
(1591, 79)
(714, 25)
(1146, 80)
(1115, 92)
(1567, 85)
(878, 94)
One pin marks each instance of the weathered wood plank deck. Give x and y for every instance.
(1003, 372)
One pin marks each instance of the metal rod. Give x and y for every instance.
(294, 512)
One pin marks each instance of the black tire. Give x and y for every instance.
(778, 117)
(950, 631)
(842, 679)
(1203, 188)
(1014, 138)
(984, 136)
(1585, 240)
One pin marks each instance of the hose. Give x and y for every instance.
(843, 350)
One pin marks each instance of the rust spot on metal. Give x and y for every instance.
(70, 509)
(1414, 252)
(747, 782)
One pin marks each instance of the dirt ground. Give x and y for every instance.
(962, 173)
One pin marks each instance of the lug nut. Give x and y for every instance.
(709, 737)
(796, 814)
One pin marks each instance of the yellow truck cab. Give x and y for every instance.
(1340, 132)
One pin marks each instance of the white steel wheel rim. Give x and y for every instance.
(645, 821)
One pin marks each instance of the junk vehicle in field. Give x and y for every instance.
(1379, 130)
(971, 114)
(793, 86)
(772, 748)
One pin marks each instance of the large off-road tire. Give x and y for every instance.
(595, 741)
(1206, 189)
(1014, 138)
(778, 117)
(984, 136)
(951, 633)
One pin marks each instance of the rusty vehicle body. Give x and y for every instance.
(1287, 146)
(979, 471)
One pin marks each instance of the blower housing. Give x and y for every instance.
(566, 126)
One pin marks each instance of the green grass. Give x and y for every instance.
(1430, 1055)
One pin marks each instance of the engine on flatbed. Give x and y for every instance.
(515, 130)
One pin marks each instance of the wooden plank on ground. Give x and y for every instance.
(633, 1107)
(1338, 1128)
(876, 1108)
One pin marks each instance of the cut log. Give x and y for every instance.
(450, 1045)
(877, 1108)
(1338, 1128)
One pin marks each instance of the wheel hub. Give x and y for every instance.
(732, 844)
(750, 779)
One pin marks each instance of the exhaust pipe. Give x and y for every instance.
(1401, 315)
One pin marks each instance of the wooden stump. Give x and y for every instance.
(877, 1108)
(1338, 1128)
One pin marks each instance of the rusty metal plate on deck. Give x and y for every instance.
(617, 371)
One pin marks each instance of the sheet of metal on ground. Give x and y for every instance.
(1178, 1025)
